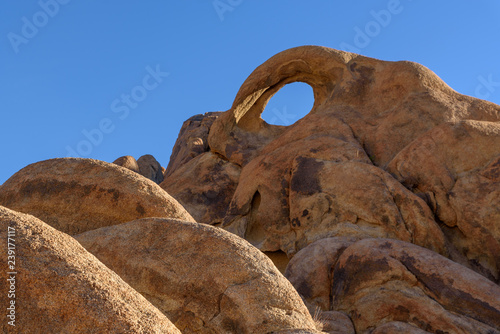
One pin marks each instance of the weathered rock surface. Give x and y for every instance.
(146, 166)
(389, 159)
(377, 281)
(333, 322)
(397, 327)
(456, 168)
(297, 331)
(192, 140)
(386, 104)
(150, 168)
(77, 195)
(209, 197)
(61, 288)
(328, 174)
(203, 278)
(310, 270)
(322, 198)
(128, 162)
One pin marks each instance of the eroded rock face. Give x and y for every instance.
(397, 327)
(310, 270)
(386, 104)
(347, 168)
(192, 140)
(77, 195)
(208, 198)
(146, 166)
(326, 199)
(377, 281)
(456, 168)
(61, 288)
(333, 322)
(128, 162)
(206, 280)
(150, 168)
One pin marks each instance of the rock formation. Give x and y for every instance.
(77, 195)
(150, 168)
(381, 207)
(361, 164)
(146, 165)
(61, 288)
(456, 168)
(128, 162)
(206, 280)
(192, 140)
(401, 281)
(207, 199)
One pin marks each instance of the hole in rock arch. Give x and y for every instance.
(289, 104)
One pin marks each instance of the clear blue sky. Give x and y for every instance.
(133, 71)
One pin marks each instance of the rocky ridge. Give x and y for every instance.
(377, 212)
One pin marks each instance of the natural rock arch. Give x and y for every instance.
(288, 105)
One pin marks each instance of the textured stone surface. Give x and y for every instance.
(208, 198)
(327, 174)
(324, 198)
(146, 166)
(388, 158)
(376, 281)
(310, 270)
(456, 168)
(150, 168)
(203, 278)
(398, 328)
(379, 100)
(192, 140)
(335, 323)
(128, 162)
(297, 331)
(76, 195)
(61, 288)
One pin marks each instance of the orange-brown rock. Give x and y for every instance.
(61, 288)
(456, 168)
(326, 175)
(322, 198)
(206, 280)
(333, 322)
(377, 281)
(150, 168)
(297, 331)
(310, 270)
(386, 104)
(146, 165)
(397, 327)
(208, 198)
(192, 140)
(77, 195)
(129, 162)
